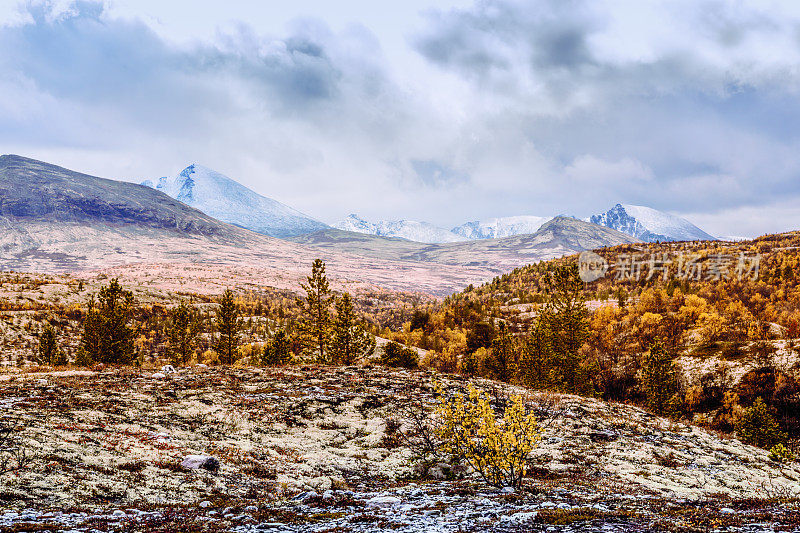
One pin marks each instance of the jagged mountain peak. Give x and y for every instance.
(648, 224)
(223, 198)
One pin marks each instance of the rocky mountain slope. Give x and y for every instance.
(650, 225)
(403, 229)
(35, 191)
(495, 228)
(322, 449)
(229, 201)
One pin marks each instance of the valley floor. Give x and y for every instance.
(318, 449)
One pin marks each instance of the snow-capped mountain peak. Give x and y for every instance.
(221, 197)
(649, 225)
(495, 228)
(411, 230)
(357, 224)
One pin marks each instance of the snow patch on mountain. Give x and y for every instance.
(495, 228)
(229, 201)
(411, 230)
(649, 225)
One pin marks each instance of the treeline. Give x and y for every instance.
(114, 330)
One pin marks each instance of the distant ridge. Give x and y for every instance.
(404, 229)
(495, 228)
(53, 219)
(557, 237)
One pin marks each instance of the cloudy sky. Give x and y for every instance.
(435, 110)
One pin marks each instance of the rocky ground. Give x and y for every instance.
(322, 449)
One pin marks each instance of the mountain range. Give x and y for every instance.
(425, 232)
(495, 228)
(227, 200)
(56, 219)
(555, 238)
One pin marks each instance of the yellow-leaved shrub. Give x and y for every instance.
(497, 448)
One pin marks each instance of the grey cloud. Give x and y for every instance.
(86, 56)
(715, 134)
(478, 42)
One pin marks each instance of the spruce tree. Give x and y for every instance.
(183, 329)
(481, 336)
(659, 379)
(349, 340)
(228, 326)
(315, 323)
(107, 334)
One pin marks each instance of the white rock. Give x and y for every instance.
(158, 375)
(205, 504)
(383, 501)
(519, 517)
(168, 369)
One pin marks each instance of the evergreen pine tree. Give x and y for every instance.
(659, 379)
(49, 352)
(536, 365)
(349, 340)
(315, 323)
(228, 326)
(481, 336)
(278, 351)
(502, 361)
(183, 328)
(107, 335)
(566, 317)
